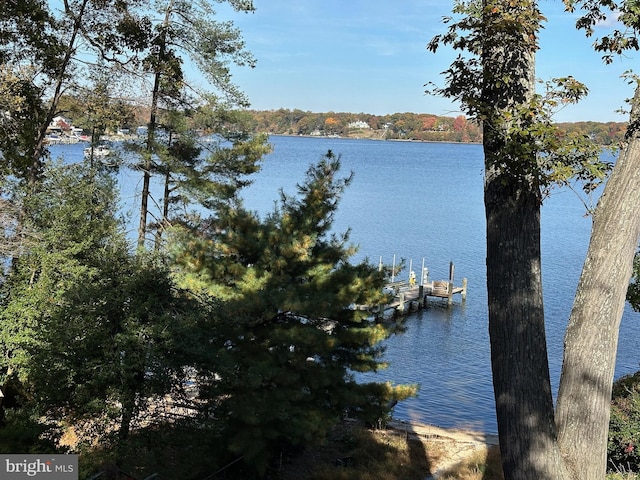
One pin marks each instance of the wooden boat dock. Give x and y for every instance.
(408, 294)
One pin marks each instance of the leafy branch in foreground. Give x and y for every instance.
(526, 127)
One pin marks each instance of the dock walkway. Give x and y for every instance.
(407, 294)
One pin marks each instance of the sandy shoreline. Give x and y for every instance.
(434, 432)
(460, 445)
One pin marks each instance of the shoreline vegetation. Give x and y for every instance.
(409, 127)
(402, 126)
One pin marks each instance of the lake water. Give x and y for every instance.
(425, 200)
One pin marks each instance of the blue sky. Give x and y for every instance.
(370, 56)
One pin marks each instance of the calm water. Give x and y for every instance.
(424, 200)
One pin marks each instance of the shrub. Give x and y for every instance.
(624, 426)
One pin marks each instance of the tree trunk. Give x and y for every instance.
(151, 128)
(522, 388)
(144, 202)
(521, 380)
(164, 222)
(591, 339)
(146, 168)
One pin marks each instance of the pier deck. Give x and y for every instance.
(407, 293)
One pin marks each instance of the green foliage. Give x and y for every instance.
(23, 100)
(72, 222)
(190, 31)
(117, 346)
(627, 15)
(92, 332)
(186, 31)
(22, 431)
(202, 171)
(212, 173)
(525, 144)
(28, 35)
(624, 426)
(98, 337)
(291, 330)
(38, 46)
(37, 52)
(633, 292)
(72, 219)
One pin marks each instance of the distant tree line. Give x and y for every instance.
(608, 133)
(405, 126)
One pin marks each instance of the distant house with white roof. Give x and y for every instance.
(359, 125)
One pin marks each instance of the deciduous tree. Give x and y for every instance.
(524, 155)
(40, 61)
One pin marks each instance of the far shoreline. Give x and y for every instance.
(340, 137)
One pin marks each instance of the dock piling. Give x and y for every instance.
(407, 293)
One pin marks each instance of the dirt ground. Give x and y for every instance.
(458, 445)
(434, 452)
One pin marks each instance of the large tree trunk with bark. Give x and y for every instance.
(591, 339)
(521, 381)
(535, 443)
(522, 388)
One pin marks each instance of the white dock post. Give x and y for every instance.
(421, 287)
(393, 269)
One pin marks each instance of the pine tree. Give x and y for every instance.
(204, 171)
(293, 333)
